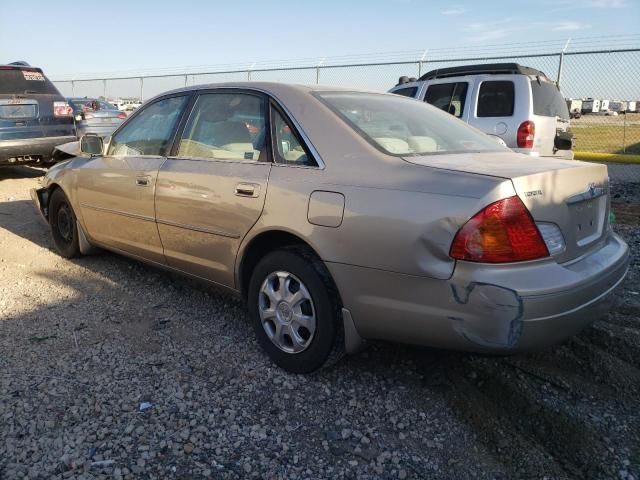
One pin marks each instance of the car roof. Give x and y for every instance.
(270, 87)
(19, 66)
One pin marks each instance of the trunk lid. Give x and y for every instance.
(569, 194)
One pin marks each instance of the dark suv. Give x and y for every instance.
(34, 116)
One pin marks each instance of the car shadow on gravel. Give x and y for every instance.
(104, 333)
(7, 173)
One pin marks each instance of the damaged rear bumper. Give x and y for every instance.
(489, 308)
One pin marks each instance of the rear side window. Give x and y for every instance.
(448, 97)
(289, 148)
(21, 81)
(406, 92)
(548, 101)
(496, 99)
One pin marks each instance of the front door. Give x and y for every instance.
(116, 192)
(212, 191)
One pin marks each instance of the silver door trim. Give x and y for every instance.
(118, 212)
(194, 228)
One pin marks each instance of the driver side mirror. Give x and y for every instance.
(91, 144)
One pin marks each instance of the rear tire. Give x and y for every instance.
(62, 222)
(295, 310)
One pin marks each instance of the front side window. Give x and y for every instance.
(403, 127)
(406, 92)
(149, 133)
(289, 149)
(225, 126)
(496, 99)
(449, 97)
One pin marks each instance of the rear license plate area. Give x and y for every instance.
(587, 219)
(17, 111)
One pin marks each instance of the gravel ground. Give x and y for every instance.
(112, 369)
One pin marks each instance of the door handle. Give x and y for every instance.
(247, 189)
(142, 181)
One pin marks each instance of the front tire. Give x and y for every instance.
(295, 310)
(62, 223)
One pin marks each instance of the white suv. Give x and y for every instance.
(519, 104)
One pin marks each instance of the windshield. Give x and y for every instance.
(21, 81)
(405, 127)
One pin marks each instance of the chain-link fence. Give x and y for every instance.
(603, 87)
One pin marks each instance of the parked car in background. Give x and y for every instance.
(34, 116)
(126, 104)
(350, 215)
(95, 116)
(517, 103)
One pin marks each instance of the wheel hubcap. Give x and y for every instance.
(65, 227)
(287, 312)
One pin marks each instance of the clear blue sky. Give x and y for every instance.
(68, 39)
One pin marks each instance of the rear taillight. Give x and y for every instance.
(502, 232)
(62, 109)
(122, 115)
(526, 134)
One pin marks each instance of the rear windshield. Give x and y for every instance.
(548, 101)
(403, 127)
(90, 105)
(20, 81)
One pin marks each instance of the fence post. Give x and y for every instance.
(73, 88)
(561, 62)
(424, 55)
(318, 69)
(624, 133)
(141, 89)
(104, 88)
(185, 80)
(249, 71)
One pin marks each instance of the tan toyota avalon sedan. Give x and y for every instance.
(342, 215)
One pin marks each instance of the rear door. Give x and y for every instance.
(551, 117)
(116, 192)
(212, 190)
(498, 107)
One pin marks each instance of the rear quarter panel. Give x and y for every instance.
(404, 222)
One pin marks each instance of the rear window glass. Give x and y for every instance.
(90, 105)
(548, 101)
(406, 92)
(496, 99)
(17, 81)
(448, 97)
(403, 127)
